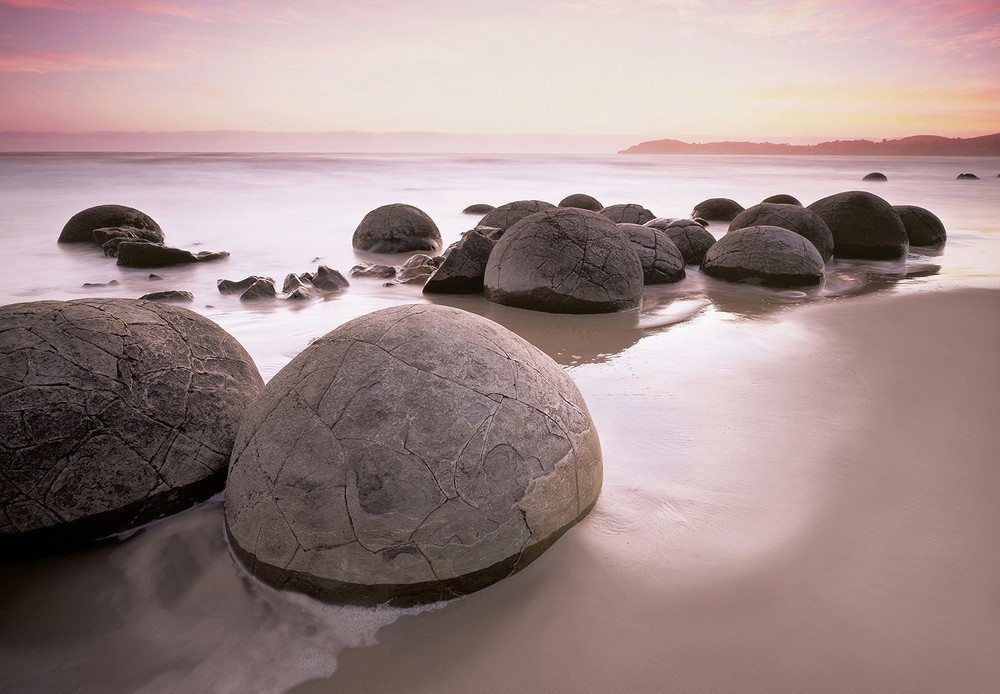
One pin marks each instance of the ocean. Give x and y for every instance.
(165, 609)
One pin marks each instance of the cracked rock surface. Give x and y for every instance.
(80, 227)
(863, 226)
(923, 227)
(113, 412)
(629, 213)
(565, 260)
(662, 262)
(718, 209)
(396, 228)
(411, 455)
(798, 219)
(691, 238)
(505, 216)
(766, 255)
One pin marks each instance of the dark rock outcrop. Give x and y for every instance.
(564, 260)
(506, 215)
(691, 238)
(238, 286)
(717, 209)
(396, 228)
(262, 288)
(114, 412)
(766, 255)
(412, 455)
(863, 226)
(662, 262)
(923, 227)
(140, 254)
(581, 201)
(375, 270)
(168, 295)
(328, 279)
(798, 219)
(463, 267)
(80, 227)
(628, 213)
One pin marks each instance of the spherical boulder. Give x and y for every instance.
(691, 238)
(863, 226)
(581, 201)
(783, 199)
(478, 208)
(114, 412)
(875, 176)
(923, 227)
(629, 213)
(662, 262)
(396, 228)
(798, 219)
(718, 209)
(510, 213)
(80, 227)
(766, 255)
(412, 455)
(564, 260)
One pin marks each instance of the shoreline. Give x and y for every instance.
(824, 522)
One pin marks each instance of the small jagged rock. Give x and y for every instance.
(262, 288)
(238, 286)
(464, 266)
(328, 280)
(373, 270)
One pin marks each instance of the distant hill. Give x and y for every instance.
(918, 145)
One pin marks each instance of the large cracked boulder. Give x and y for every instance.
(113, 412)
(80, 227)
(505, 216)
(863, 226)
(792, 217)
(766, 255)
(564, 260)
(411, 455)
(396, 228)
(923, 227)
(691, 238)
(662, 262)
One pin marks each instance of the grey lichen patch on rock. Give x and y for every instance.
(765, 255)
(113, 412)
(396, 228)
(662, 262)
(565, 260)
(794, 218)
(411, 455)
(863, 226)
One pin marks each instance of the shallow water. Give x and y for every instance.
(165, 609)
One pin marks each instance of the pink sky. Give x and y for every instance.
(686, 69)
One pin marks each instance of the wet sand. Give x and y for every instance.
(802, 503)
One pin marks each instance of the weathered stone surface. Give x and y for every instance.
(863, 226)
(237, 286)
(783, 199)
(113, 412)
(80, 227)
(103, 235)
(507, 215)
(478, 208)
(138, 254)
(691, 238)
(168, 295)
(718, 209)
(373, 270)
(416, 270)
(875, 176)
(564, 260)
(798, 219)
(328, 279)
(766, 255)
(581, 201)
(923, 227)
(630, 213)
(662, 262)
(262, 288)
(660, 223)
(463, 267)
(110, 247)
(411, 455)
(396, 228)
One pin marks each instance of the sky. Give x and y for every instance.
(696, 70)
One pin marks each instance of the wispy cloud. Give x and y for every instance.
(188, 10)
(12, 60)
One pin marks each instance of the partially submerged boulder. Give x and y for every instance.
(863, 226)
(783, 199)
(478, 208)
(169, 295)
(875, 176)
(238, 286)
(662, 262)
(766, 255)
(792, 217)
(509, 214)
(142, 254)
(717, 209)
(564, 260)
(114, 412)
(581, 201)
(628, 213)
(412, 455)
(691, 238)
(80, 227)
(396, 228)
(923, 227)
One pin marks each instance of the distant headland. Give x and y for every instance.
(918, 145)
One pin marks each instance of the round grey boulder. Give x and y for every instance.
(662, 262)
(691, 238)
(863, 226)
(114, 412)
(80, 227)
(766, 255)
(412, 455)
(923, 227)
(396, 228)
(581, 201)
(783, 199)
(564, 260)
(505, 216)
(628, 213)
(798, 219)
(717, 209)
(875, 176)
(478, 208)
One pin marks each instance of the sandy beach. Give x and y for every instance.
(825, 521)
